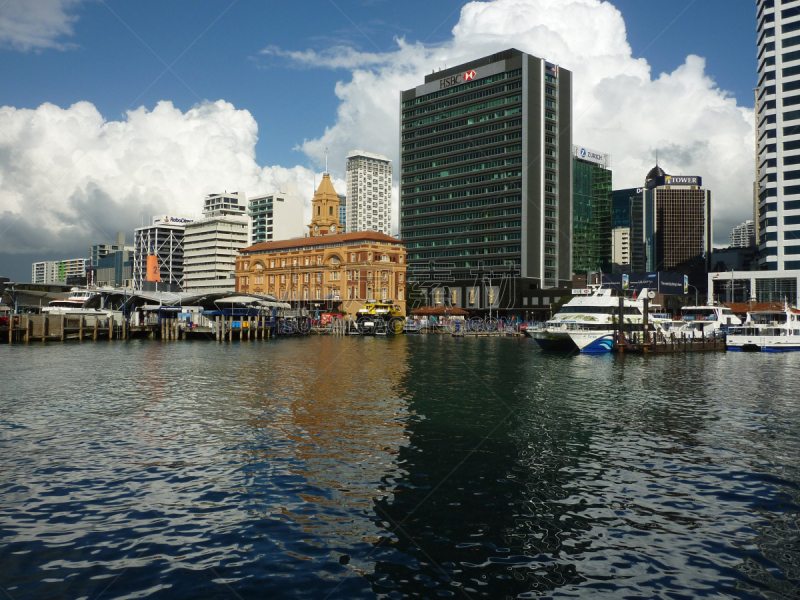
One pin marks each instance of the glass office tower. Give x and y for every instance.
(486, 177)
(591, 211)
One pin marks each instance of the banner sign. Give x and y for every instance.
(662, 282)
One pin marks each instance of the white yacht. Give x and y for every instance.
(587, 322)
(701, 322)
(75, 301)
(767, 331)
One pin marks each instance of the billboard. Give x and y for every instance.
(166, 219)
(675, 180)
(592, 156)
(662, 282)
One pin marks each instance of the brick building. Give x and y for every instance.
(338, 272)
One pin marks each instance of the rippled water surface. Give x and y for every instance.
(420, 466)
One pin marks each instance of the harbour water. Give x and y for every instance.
(415, 466)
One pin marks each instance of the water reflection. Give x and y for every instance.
(337, 428)
(362, 468)
(616, 475)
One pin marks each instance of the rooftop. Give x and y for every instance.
(322, 240)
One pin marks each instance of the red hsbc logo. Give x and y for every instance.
(446, 82)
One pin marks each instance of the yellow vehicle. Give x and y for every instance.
(380, 318)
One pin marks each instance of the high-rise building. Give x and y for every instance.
(342, 213)
(369, 192)
(777, 218)
(98, 251)
(59, 270)
(743, 236)
(43, 272)
(210, 245)
(277, 216)
(778, 126)
(164, 241)
(677, 222)
(591, 211)
(627, 229)
(486, 188)
(114, 269)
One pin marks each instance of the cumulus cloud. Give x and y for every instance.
(70, 179)
(619, 106)
(36, 24)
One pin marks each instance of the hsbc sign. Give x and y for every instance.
(447, 82)
(435, 82)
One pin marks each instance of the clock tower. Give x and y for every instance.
(324, 209)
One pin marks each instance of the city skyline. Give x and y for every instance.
(141, 108)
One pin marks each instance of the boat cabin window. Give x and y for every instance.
(698, 313)
(599, 310)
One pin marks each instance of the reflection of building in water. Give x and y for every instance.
(345, 417)
(463, 502)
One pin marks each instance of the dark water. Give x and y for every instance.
(420, 467)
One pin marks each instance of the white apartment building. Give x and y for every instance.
(621, 248)
(778, 134)
(743, 235)
(369, 192)
(164, 240)
(57, 270)
(277, 216)
(43, 272)
(210, 245)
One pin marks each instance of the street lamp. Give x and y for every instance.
(695, 293)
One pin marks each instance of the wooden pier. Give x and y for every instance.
(63, 327)
(672, 346)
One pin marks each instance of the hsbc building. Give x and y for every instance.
(486, 180)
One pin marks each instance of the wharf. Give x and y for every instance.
(63, 327)
(473, 334)
(674, 346)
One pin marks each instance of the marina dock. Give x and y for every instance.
(674, 346)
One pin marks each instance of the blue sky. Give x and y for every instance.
(119, 56)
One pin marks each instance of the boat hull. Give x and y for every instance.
(595, 342)
(763, 344)
(552, 341)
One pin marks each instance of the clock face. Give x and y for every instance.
(333, 228)
(316, 228)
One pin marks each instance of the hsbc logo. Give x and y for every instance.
(446, 82)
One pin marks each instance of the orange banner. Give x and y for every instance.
(153, 272)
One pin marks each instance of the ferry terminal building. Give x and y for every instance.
(329, 271)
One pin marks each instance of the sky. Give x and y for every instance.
(112, 111)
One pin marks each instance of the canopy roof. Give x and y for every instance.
(206, 300)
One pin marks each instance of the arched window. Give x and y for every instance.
(330, 210)
(318, 209)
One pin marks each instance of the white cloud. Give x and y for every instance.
(619, 107)
(70, 179)
(336, 57)
(36, 24)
